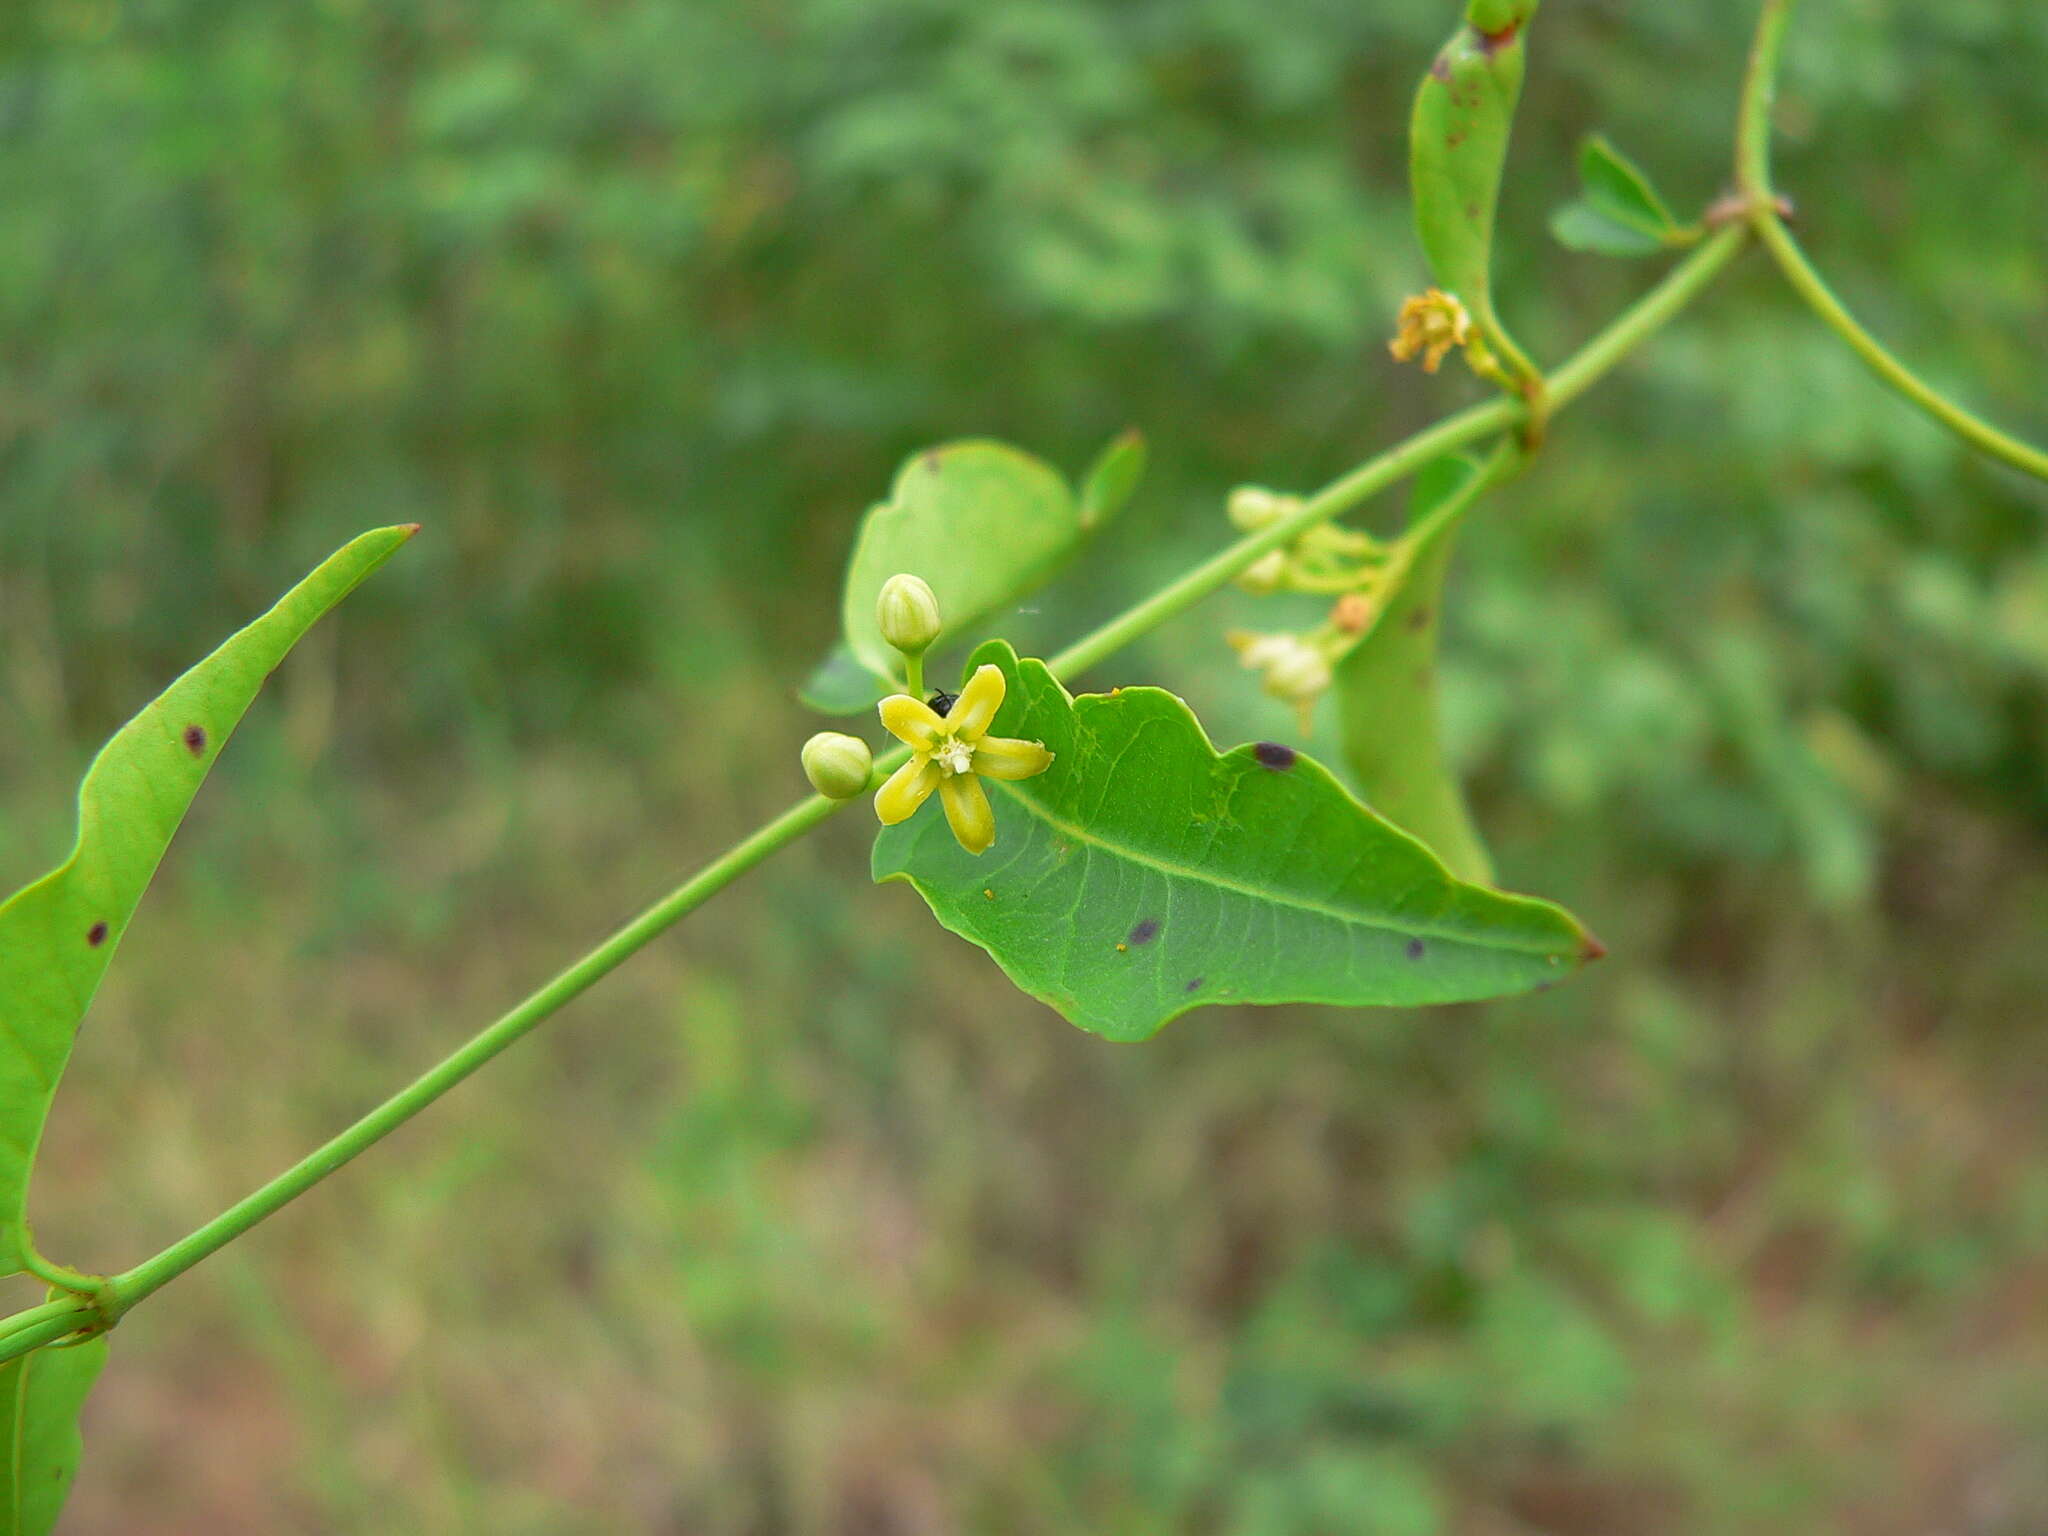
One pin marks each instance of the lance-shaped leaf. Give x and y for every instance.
(1457, 151)
(985, 524)
(1144, 874)
(1618, 212)
(1386, 684)
(58, 935)
(41, 1395)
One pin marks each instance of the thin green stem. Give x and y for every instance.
(1967, 425)
(1759, 95)
(1467, 426)
(1753, 176)
(64, 1306)
(913, 675)
(28, 1340)
(147, 1276)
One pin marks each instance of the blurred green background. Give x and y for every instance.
(803, 1223)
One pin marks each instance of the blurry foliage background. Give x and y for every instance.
(802, 1223)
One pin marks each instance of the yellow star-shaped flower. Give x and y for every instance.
(953, 752)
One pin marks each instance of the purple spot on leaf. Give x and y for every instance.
(96, 935)
(1195, 985)
(195, 739)
(1146, 931)
(1273, 755)
(1417, 949)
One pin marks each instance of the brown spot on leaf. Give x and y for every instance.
(1146, 931)
(1441, 69)
(1420, 618)
(1274, 755)
(195, 740)
(1417, 949)
(96, 935)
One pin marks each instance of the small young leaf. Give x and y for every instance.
(1615, 185)
(1144, 874)
(842, 685)
(41, 1395)
(1579, 226)
(57, 935)
(1386, 684)
(1112, 478)
(984, 523)
(1618, 212)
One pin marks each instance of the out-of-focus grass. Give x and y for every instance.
(802, 1222)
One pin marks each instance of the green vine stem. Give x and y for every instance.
(39, 1326)
(1760, 198)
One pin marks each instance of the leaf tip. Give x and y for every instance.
(1591, 949)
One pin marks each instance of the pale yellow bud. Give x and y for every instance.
(1252, 507)
(839, 766)
(908, 613)
(1265, 574)
(1300, 675)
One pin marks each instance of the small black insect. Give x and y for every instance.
(942, 703)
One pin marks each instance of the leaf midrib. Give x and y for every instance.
(1172, 870)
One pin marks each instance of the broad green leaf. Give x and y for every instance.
(1386, 685)
(1618, 212)
(1457, 150)
(58, 935)
(41, 1395)
(1112, 478)
(840, 685)
(1144, 874)
(983, 522)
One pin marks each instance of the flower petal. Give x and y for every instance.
(908, 788)
(911, 721)
(968, 812)
(1005, 757)
(978, 702)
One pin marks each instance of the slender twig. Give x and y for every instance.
(1467, 426)
(1764, 211)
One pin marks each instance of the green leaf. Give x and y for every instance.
(41, 1395)
(1112, 478)
(58, 935)
(1457, 151)
(1618, 212)
(1386, 685)
(984, 523)
(1143, 875)
(840, 685)
(1580, 226)
(1617, 187)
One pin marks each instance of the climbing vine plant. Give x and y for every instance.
(1112, 861)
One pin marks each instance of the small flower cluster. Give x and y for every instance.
(1297, 669)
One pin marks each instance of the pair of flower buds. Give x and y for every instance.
(950, 748)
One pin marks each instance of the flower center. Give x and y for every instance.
(954, 755)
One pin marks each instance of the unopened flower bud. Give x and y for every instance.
(838, 766)
(1265, 574)
(1252, 507)
(908, 613)
(1353, 613)
(1300, 676)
